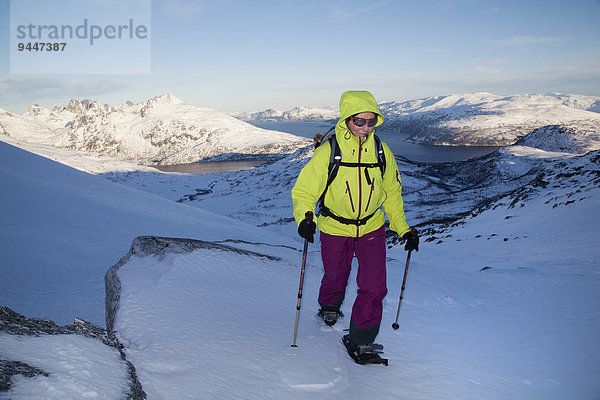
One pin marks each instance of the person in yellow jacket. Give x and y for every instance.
(351, 221)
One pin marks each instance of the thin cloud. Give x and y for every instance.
(493, 10)
(526, 41)
(344, 11)
(112, 3)
(453, 4)
(480, 69)
(37, 89)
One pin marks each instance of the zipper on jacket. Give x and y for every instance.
(349, 195)
(370, 194)
(359, 185)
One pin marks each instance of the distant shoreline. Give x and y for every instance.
(211, 166)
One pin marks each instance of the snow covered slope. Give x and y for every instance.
(501, 302)
(61, 229)
(162, 130)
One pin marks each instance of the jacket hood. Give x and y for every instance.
(354, 102)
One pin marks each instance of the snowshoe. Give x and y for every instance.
(364, 354)
(330, 316)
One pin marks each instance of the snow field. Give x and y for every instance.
(524, 328)
(77, 368)
(221, 313)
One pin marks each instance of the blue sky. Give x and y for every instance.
(235, 55)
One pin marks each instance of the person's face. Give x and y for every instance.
(364, 130)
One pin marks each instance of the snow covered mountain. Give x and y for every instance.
(475, 119)
(578, 139)
(268, 115)
(162, 130)
(296, 114)
(309, 114)
(484, 119)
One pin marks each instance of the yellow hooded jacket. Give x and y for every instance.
(350, 195)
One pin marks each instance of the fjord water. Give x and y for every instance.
(396, 140)
(211, 166)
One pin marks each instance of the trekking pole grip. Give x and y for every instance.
(309, 215)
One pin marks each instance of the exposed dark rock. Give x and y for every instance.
(13, 323)
(9, 368)
(17, 324)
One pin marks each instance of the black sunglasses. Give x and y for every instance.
(362, 121)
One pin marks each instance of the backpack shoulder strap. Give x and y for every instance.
(380, 154)
(335, 159)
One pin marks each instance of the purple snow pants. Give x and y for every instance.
(337, 253)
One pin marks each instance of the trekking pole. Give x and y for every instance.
(308, 215)
(395, 324)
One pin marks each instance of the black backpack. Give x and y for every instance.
(335, 161)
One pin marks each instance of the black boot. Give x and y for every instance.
(364, 353)
(330, 314)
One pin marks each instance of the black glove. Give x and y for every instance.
(412, 240)
(307, 227)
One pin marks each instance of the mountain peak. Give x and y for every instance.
(166, 98)
(36, 110)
